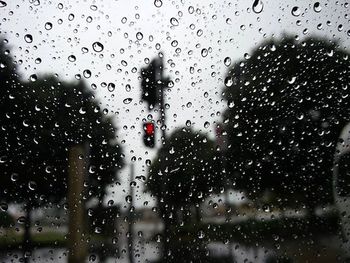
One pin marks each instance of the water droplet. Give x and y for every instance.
(21, 220)
(114, 240)
(14, 177)
(296, 11)
(128, 199)
(188, 123)
(317, 7)
(139, 36)
(72, 58)
(92, 257)
(258, 6)
(204, 52)
(3, 207)
(227, 61)
(206, 124)
(158, 3)
(158, 238)
(266, 208)
(82, 110)
(111, 87)
(228, 82)
(33, 78)
(228, 21)
(90, 212)
(97, 46)
(174, 21)
(71, 17)
(37, 60)
(48, 26)
(35, 2)
(48, 169)
(28, 38)
(127, 100)
(87, 73)
(93, 7)
(3, 4)
(32, 185)
(292, 80)
(272, 47)
(201, 234)
(98, 230)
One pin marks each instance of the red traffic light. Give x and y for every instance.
(149, 128)
(149, 132)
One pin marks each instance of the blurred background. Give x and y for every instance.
(174, 131)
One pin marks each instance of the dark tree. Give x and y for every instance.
(40, 121)
(184, 171)
(287, 104)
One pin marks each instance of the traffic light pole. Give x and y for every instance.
(131, 217)
(162, 115)
(153, 85)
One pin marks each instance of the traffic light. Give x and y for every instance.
(152, 82)
(149, 132)
(149, 87)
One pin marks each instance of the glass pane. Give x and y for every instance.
(343, 183)
(173, 131)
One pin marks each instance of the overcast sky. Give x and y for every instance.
(133, 31)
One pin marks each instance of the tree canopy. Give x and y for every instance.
(40, 120)
(185, 170)
(287, 103)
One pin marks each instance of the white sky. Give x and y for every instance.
(229, 29)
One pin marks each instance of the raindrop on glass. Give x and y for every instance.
(128, 199)
(111, 87)
(317, 7)
(174, 21)
(127, 100)
(87, 73)
(48, 26)
(28, 38)
(3, 4)
(71, 17)
(72, 58)
(296, 11)
(227, 61)
(158, 3)
(228, 82)
(14, 177)
(33, 77)
(139, 36)
(201, 234)
(204, 52)
(32, 185)
(258, 6)
(97, 46)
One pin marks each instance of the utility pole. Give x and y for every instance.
(222, 143)
(131, 216)
(77, 167)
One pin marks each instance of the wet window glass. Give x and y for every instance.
(174, 131)
(343, 182)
